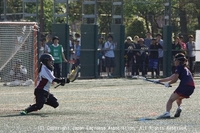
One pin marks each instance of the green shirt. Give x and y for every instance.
(56, 52)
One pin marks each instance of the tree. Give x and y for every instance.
(136, 28)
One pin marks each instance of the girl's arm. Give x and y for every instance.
(173, 78)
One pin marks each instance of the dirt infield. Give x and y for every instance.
(99, 106)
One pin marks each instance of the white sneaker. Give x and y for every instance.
(134, 77)
(165, 115)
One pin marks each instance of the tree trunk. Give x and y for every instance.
(41, 16)
(183, 20)
(147, 23)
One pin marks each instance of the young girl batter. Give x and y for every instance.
(46, 78)
(185, 88)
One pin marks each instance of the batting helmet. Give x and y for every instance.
(45, 58)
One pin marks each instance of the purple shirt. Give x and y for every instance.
(185, 76)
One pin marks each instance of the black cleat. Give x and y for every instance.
(178, 113)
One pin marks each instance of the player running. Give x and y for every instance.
(46, 78)
(185, 88)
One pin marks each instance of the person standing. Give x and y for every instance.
(77, 53)
(183, 45)
(176, 48)
(128, 55)
(160, 52)
(56, 50)
(153, 57)
(109, 47)
(101, 56)
(147, 40)
(71, 50)
(44, 48)
(191, 54)
(143, 57)
(49, 39)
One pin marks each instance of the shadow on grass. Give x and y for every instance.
(153, 118)
(47, 114)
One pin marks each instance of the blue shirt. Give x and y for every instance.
(77, 50)
(147, 42)
(185, 76)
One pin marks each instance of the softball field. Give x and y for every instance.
(99, 106)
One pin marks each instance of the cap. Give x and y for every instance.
(191, 36)
(129, 38)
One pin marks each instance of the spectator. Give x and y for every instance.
(153, 57)
(183, 45)
(71, 50)
(191, 54)
(18, 75)
(77, 53)
(78, 36)
(18, 72)
(44, 48)
(147, 40)
(160, 52)
(101, 56)
(136, 39)
(176, 48)
(56, 50)
(136, 58)
(143, 57)
(128, 54)
(49, 39)
(109, 47)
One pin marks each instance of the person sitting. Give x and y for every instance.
(19, 75)
(18, 72)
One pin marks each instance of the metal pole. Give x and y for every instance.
(170, 11)
(83, 12)
(37, 10)
(5, 11)
(122, 12)
(95, 12)
(67, 11)
(54, 12)
(41, 16)
(23, 9)
(113, 20)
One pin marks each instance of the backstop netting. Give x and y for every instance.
(18, 41)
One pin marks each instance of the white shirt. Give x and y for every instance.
(46, 78)
(160, 51)
(44, 49)
(191, 49)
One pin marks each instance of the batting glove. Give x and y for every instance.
(62, 83)
(167, 85)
